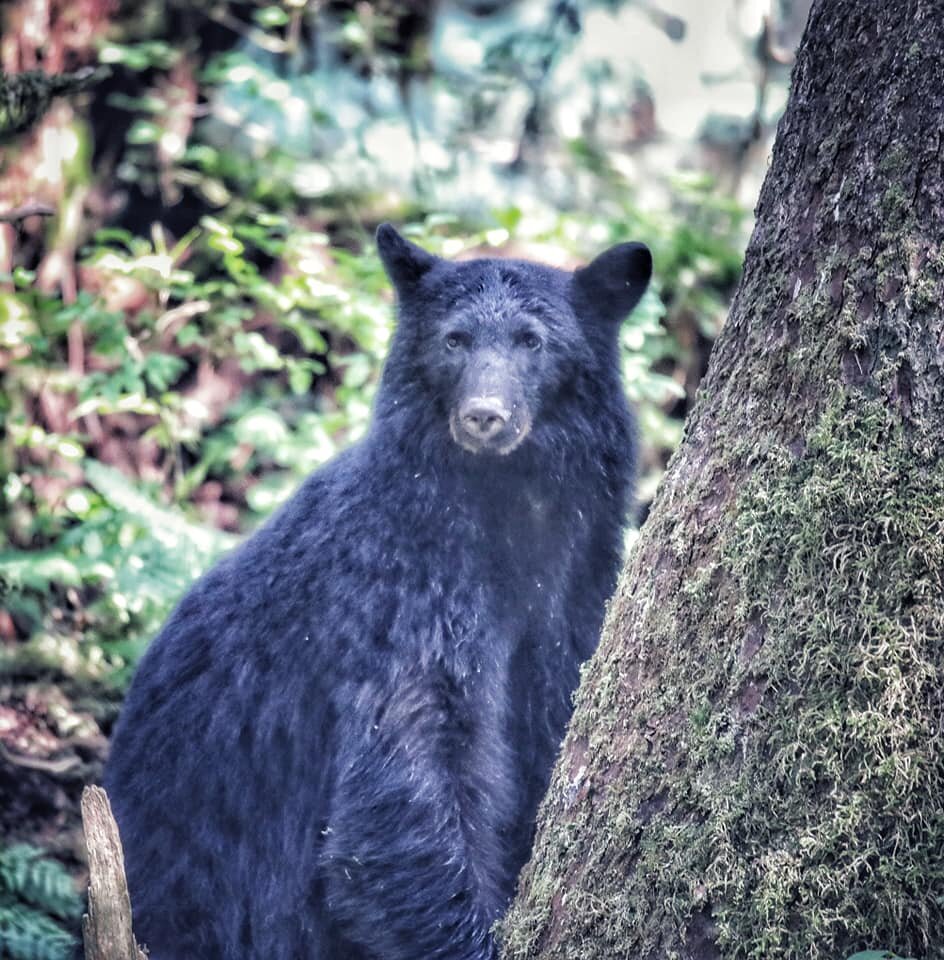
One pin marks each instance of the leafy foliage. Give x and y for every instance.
(36, 895)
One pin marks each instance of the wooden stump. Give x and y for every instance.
(106, 928)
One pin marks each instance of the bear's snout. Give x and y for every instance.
(484, 417)
(489, 424)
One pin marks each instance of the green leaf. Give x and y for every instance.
(189, 334)
(144, 131)
(168, 526)
(271, 491)
(163, 369)
(38, 569)
(140, 56)
(299, 378)
(271, 17)
(256, 353)
(260, 428)
(225, 244)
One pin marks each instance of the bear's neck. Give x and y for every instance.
(533, 498)
(573, 472)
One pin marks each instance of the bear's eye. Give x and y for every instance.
(530, 340)
(456, 339)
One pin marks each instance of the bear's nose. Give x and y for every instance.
(483, 417)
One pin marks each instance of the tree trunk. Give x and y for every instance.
(755, 765)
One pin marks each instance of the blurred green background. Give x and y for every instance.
(195, 317)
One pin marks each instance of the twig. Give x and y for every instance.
(31, 209)
(54, 767)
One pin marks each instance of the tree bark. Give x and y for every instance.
(755, 766)
(106, 928)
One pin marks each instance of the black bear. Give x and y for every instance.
(336, 746)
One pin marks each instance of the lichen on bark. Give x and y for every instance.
(25, 97)
(755, 764)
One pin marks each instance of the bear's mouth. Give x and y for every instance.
(501, 443)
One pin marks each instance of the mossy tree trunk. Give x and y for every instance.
(755, 768)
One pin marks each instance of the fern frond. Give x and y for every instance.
(44, 883)
(27, 934)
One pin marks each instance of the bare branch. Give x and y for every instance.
(106, 928)
(31, 209)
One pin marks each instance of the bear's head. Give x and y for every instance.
(490, 345)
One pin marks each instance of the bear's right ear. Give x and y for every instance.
(615, 281)
(404, 262)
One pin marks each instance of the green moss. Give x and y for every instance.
(847, 773)
(827, 150)
(896, 158)
(927, 294)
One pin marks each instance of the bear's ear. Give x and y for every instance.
(404, 262)
(615, 281)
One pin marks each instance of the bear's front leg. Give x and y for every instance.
(413, 860)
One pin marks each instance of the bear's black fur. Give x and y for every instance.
(336, 746)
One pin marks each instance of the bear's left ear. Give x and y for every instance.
(404, 262)
(615, 281)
